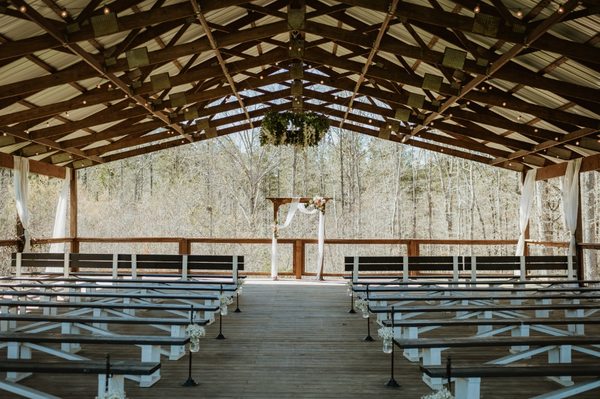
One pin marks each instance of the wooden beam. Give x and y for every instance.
(40, 168)
(588, 164)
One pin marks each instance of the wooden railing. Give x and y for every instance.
(413, 246)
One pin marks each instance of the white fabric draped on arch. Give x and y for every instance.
(295, 206)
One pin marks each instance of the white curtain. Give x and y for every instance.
(570, 197)
(20, 182)
(60, 217)
(527, 195)
(290, 215)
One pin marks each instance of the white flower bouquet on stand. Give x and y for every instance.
(362, 305)
(224, 301)
(387, 335)
(195, 332)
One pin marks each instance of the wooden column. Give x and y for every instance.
(299, 258)
(184, 247)
(579, 235)
(413, 248)
(73, 211)
(526, 235)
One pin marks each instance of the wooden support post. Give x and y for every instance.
(579, 236)
(299, 258)
(73, 211)
(184, 246)
(20, 235)
(413, 248)
(526, 235)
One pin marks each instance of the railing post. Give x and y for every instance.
(413, 248)
(73, 212)
(299, 258)
(184, 246)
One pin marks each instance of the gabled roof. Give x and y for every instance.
(515, 84)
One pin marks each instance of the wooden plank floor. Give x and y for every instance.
(292, 340)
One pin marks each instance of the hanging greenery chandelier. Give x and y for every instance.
(291, 128)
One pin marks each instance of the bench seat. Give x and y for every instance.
(468, 378)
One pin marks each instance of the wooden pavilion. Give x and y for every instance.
(509, 83)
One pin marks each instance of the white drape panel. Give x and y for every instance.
(527, 195)
(570, 197)
(60, 217)
(290, 215)
(20, 182)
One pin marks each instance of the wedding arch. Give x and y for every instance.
(305, 205)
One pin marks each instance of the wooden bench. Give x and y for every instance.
(132, 265)
(117, 369)
(558, 348)
(20, 346)
(468, 378)
(457, 267)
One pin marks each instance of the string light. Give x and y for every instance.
(64, 14)
(519, 13)
(23, 9)
(477, 9)
(106, 10)
(561, 9)
(84, 102)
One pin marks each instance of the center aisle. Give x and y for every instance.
(293, 339)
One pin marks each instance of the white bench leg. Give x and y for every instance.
(99, 313)
(411, 354)
(17, 351)
(432, 357)
(486, 315)
(520, 331)
(467, 388)
(557, 355)
(116, 384)
(177, 351)
(150, 353)
(543, 313)
(4, 323)
(575, 329)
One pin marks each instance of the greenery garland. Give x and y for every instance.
(289, 128)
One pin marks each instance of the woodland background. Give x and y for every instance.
(218, 188)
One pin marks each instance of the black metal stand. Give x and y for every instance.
(190, 381)
(368, 338)
(352, 303)
(107, 379)
(237, 304)
(392, 383)
(220, 336)
(449, 373)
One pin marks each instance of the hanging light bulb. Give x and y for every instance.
(519, 13)
(561, 9)
(106, 10)
(477, 9)
(64, 13)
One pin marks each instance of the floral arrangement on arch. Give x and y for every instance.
(293, 128)
(317, 203)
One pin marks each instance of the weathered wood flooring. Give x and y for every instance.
(292, 340)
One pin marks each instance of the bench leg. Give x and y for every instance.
(411, 354)
(17, 351)
(432, 357)
(486, 315)
(557, 355)
(69, 328)
(520, 331)
(4, 323)
(177, 351)
(150, 353)
(99, 313)
(467, 388)
(543, 313)
(116, 384)
(575, 329)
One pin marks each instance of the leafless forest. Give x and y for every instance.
(218, 188)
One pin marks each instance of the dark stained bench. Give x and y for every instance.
(460, 267)
(19, 346)
(134, 265)
(468, 378)
(118, 369)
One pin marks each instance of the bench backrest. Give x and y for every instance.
(129, 263)
(521, 266)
